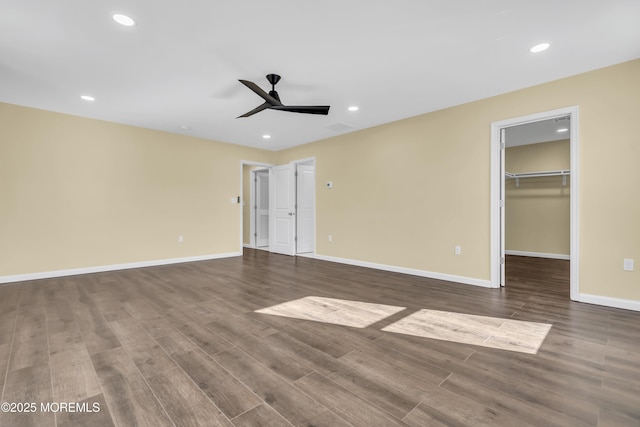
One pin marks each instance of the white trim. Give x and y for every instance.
(252, 211)
(539, 255)
(574, 188)
(311, 161)
(244, 163)
(252, 202)
(412, 271)
(307, 255)
(610, 302)
(494, 210)
(113, 267)
(259, 248)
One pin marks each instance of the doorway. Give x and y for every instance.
(248, 217)
(504, 180)
(259, 209)
(279, 212)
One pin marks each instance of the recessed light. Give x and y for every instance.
(265, 136)
(185, 127)
(563, 130)
(539, 47)
(124, 20)
(353, 108)
(88, 98)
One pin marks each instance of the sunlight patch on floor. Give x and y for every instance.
(335, 311)
(494, 332)
(505, 334)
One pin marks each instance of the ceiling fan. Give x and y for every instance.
(272, 100)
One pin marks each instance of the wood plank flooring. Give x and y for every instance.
(183, 345)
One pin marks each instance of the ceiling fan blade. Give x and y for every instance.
(261, 93)
(307, 109)
(256, 110)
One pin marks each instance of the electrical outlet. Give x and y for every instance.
(330, 238)
(457, 250)
(627, 264)
(180, 238)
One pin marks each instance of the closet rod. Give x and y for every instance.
(517, 176)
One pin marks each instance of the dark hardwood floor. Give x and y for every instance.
(182, 345)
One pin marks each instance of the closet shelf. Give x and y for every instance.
(517, 176)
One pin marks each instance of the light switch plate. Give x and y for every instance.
(627, 264)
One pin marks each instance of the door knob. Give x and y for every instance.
(291, 213)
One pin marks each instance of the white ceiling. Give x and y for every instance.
(542, 131)
(394, 59)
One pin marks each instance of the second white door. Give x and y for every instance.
(282, 210)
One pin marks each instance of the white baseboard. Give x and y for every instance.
(626, 304)
(258, 248)
(307, 255)
(539, 255)
(586, 298)
(113, 267)
(412, 271)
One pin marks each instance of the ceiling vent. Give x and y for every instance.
(338, 127)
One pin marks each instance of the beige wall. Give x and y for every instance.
(538, 210)
(78, 192)
(405, 193)
(391, 185)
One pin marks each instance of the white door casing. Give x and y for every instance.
(261, 207)
(497, 180)
(282, 210)
(305, 208)
(503, 208)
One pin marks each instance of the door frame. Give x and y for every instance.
(244, 163)
(498, 182)
(253, 200)
(307, 161)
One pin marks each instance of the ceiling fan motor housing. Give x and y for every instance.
(273, 79)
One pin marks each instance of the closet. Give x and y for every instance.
(537, 190)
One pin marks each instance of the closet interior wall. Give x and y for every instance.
(537, 220)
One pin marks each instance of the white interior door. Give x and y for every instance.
(282, 210)
(305, 208)
(503, 260)
(262, 209)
